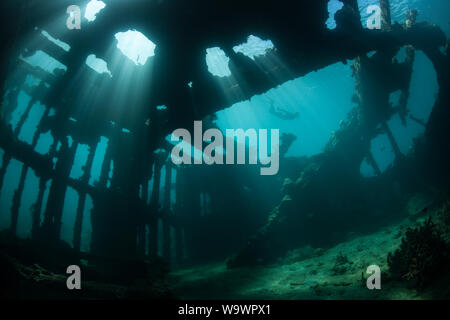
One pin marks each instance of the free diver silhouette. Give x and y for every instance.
(282, 113)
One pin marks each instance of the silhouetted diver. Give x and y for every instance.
(283, 114)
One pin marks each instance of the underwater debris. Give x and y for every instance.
(36, 270)
(422, 255)
(341, 264)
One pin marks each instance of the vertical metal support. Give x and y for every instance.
(37, 207)
(79, 221)
(153, 237)
(154, 200)
(52, 154)
(190, 207)
(82, 200)
(53, 213)
(141, 239)
(106, 166)
(411, 17)
(17, 199)
(178, 244)
(141, 228)
(154, 207)
(18, 192)
(353, 4)
(404, 96)
(168, 187)
(145, 191)
(167, 213)
(23, 118)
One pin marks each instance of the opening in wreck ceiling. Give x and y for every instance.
(254, 47)
(97, 64)
(93, 8)
(333, 7)
(45, 62)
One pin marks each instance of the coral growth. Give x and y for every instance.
(422, 255)
(443, 216)
(36, 270)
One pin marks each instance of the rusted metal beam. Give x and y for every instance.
(82, 200)
(167, 213)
